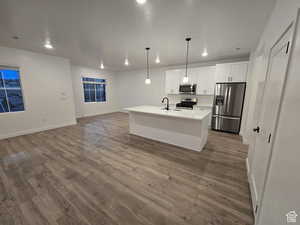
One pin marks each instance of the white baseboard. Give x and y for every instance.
(35, 130)
(253, 191)
(124, 111)
(247, 166)
(96, 114)
(245, 140)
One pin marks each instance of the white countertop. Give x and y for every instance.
(204, 105)
(183, 113)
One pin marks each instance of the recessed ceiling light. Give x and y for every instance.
(48, 45)
(101, 66)
(141, 2)
(204, 53)
(157, 60)
(126, 63)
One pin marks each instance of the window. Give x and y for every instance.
(11, 97)
(94, 89)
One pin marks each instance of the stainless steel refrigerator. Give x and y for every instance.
(228, 107)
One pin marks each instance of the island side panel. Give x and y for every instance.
(186, 133)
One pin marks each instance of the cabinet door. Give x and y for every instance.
(238, 72)
(222, 72)
(191, 75)
(199, 75)
(172, 82)
(195, 75)
(206, 80)
(211, 80)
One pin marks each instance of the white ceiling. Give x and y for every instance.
(87, 31)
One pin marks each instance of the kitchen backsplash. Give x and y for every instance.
(202, 100)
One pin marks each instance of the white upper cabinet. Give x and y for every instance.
(206, 79)
(172, 81)
(191, 76)
(222, 72)
(239, 72)
(232, 72)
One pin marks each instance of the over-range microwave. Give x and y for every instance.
(187, 88)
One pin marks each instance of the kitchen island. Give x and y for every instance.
(180, 127)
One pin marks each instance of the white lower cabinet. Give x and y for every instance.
(202, 107)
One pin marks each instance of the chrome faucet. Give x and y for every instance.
(167, 108)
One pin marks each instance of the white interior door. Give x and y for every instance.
(273, 90)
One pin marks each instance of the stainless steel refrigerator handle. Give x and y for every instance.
(226, 117)
(229, 99)
(226, 100)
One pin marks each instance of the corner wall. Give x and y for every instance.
(282, 184)
(47, 93)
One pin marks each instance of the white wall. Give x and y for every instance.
(93, 108)
(47, 91)
(283, 183)
(133, 91)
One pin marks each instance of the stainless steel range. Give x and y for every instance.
(187, 103)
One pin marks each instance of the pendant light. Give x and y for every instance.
(126, 63)
(157, 60)
(186, 78)
(204, 53)
(148, 80)
(102, 65)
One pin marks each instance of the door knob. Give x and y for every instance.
(256, 129)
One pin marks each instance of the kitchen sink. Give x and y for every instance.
(171, 109)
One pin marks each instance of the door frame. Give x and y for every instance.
(293, 26)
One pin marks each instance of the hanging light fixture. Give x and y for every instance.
(204, 53)
(157, 60)
(148, 80)
(126, 63)
(186, 78)
(102, 66)
(48, 45)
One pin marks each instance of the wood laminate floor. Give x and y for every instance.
(95, 173)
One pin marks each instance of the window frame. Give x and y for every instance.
(2, 67)
(103, 81)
